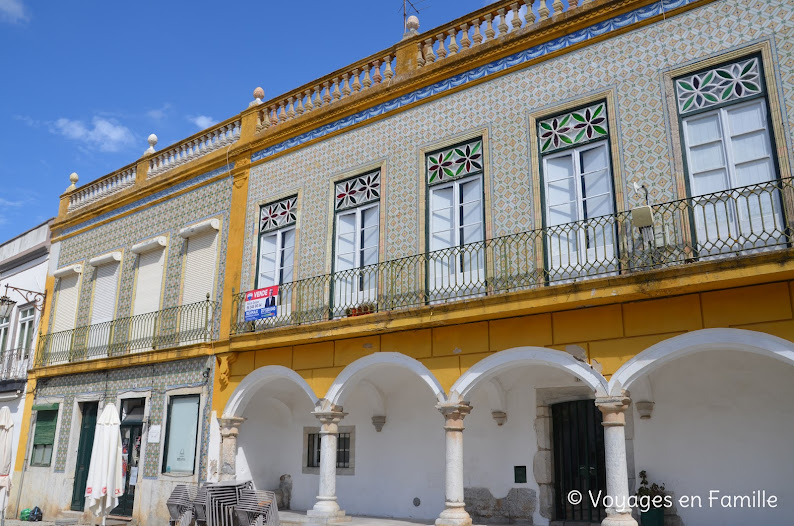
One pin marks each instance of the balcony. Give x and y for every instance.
(14, 368)
(724, 224)
(172, 327)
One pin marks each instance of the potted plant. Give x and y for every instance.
(351, 311)
(366, 308)
(652, 495)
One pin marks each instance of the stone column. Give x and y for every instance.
(326, 507)
(614, 422)
(230, 428)
(454, 513)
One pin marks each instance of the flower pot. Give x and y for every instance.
(652, 517)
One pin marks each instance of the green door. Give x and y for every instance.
(87, 430)
(130, 458)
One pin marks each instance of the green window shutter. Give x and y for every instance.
(45, 428)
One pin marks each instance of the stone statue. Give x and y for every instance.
(285, 488)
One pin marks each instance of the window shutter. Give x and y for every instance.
(66, 305)
(105, 285)
(267, 260)
(200, 266)
(45, 428)
(149, 282)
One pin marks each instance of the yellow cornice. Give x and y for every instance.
(129, 360)
(673, 281)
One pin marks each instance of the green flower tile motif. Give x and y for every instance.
(572, 128)
(724, 84)
(458, 161)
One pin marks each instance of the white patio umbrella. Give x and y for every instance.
(105, 480)
(6, 441)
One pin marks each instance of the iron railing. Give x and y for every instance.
(728, 223)
(182, 325)
(14, 363)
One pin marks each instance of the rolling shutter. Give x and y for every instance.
(149, 281)
(66, 305)
(105, 286)
(202, 253)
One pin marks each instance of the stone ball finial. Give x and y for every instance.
(152, 140)
(74, 178)
(412, 24)
(259, 93)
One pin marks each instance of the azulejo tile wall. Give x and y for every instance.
(165, 218)
(156, 379)
(632, 65)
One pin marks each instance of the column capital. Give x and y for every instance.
(613, 408)
(330, 417)
(454, 413)
(230, 425)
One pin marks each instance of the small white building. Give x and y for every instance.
(23, 272)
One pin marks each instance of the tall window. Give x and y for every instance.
(181, 434)
(577, 192)
(149, 271)
(4, 329)
(103, 307)
(44, 437)
(729, 159)
(200, 270)
(27, 319)
(357, 240)
(277, 250)
(59, 341)
(456, 220)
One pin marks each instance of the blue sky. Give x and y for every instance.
(85, 82)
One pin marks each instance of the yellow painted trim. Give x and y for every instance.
(235, 245)
(24, 426)
(138, 197)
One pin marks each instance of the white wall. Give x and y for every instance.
(722, 421)
(402, 462)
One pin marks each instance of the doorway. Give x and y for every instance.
(579, 459)
(88, 411)
(132, 413)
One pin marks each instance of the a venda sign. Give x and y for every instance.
(261, 303)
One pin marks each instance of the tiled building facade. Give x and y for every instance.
(535, 220)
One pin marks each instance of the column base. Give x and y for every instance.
(326, 511)
(621, 519)
(454, 515)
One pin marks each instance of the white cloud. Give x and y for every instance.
(202, 121)
(159, 114)
(13, 11)
(104, 134)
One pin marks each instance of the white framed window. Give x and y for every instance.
(198, 281)
(5, 326)
(149, 270)
(68, 292)
(27, 327)
(276, 257)
(579, 211)
(730, 165)
(345, 450)
(103, 305)
(181, 435)
(356, 241)
(456, 222)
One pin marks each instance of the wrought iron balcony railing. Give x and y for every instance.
(182, 325)
(14, 363)
(728, 223)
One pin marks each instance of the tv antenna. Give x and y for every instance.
(409, 6)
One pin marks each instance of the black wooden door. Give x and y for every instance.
(87, 430)
(578, 459)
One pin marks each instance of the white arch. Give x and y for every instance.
(697, 341)
(353, 372)
(259, 378)
(494, 364)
